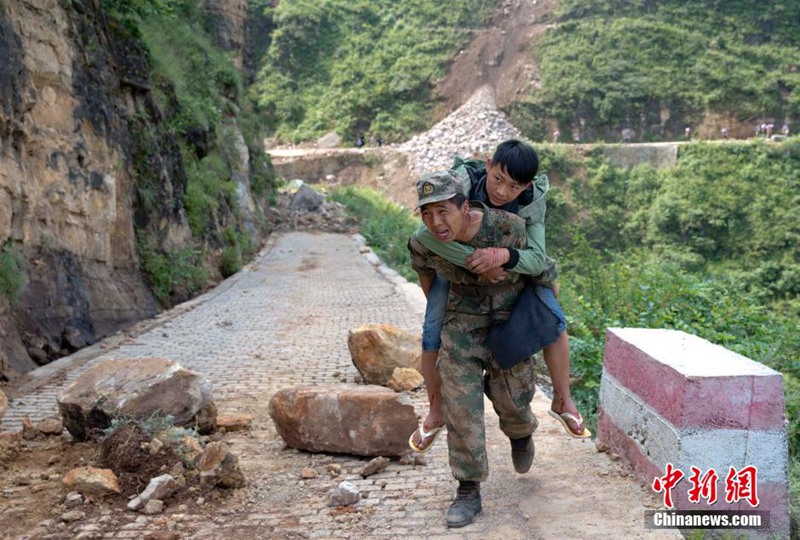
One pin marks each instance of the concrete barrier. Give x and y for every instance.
(668, 397)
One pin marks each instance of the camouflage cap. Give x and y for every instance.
(435, 187)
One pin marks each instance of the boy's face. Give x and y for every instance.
(444, 219)
(500, 187)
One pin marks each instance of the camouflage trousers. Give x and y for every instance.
(468, 371)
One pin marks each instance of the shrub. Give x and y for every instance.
(12, 272)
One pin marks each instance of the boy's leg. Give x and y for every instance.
(431, 341)
(556, 357)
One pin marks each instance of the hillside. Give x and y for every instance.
(589, 70)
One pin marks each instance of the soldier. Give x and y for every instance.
(466, 366)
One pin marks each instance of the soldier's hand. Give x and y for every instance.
(495, 275)
(485, 259)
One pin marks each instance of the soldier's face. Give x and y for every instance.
(445, 220)
(500, 187)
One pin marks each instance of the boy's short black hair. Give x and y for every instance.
(519, 160)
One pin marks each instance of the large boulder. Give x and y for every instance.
(377, 349)
(306, 200)
(134, 389)
(347, 419)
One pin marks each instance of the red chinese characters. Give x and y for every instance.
(667, 482)
(739, 485)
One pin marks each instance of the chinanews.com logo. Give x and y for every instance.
(739, 485)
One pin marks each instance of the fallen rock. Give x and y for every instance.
(29, 432)
(74, 338)
(220, 467)
(72, 499)
(344, 495)
(159, 489)
(92, 481)
(234, 422)
(375, 466)
(308, 473)
(153, 506)
(344, 418)
(404, 379)
(135, 389)
(73, 515)
(190, 451)
(306, 200)
(50, 426)
(377, 349)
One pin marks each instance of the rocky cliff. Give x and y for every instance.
(80, 184)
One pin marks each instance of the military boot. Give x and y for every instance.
(466, 505)
(522, 452)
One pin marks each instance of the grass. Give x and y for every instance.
(386, 225)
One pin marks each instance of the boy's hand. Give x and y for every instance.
(495, 275)
(485, 259)
(554, 286)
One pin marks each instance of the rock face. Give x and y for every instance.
(377, 349)
(3, 404)
(137, 389)
(90, 167)
(64, 199)
(349, 419)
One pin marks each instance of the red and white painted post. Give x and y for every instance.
(668, 397)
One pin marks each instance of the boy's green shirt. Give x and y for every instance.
(533, 260)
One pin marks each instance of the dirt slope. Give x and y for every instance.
(498, 56)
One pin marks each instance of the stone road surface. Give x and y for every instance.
(283, 321)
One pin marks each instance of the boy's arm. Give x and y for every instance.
(530, 261)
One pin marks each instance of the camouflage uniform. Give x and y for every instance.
(465, 362)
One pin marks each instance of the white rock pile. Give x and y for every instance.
(474, 129)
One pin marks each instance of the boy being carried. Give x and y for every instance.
(507, 182)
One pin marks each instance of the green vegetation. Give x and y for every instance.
(12, 272)
(357, 66)
(385, 225)
(171, 273)
(610, 64)
(203, 79)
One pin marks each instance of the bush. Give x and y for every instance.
(12, 272)
(171, 273)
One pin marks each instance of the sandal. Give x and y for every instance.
(427, 438)
(563, 417)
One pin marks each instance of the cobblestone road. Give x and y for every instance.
(283, 321)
